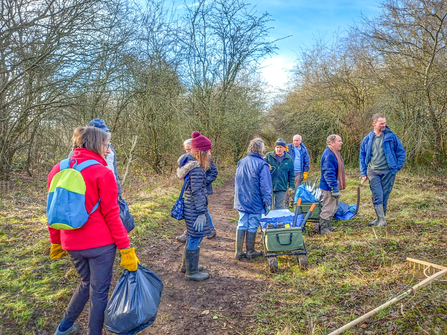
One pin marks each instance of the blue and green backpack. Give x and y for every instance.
(66, 196)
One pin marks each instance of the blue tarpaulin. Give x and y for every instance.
(345, 211)
(304, 194)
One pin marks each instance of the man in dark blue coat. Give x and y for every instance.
(381, 156)
(252, 196)
(331, 182)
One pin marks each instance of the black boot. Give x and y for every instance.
(183, 269)
(250, 244)
(240, 237)
(325, 226)
(192, 266)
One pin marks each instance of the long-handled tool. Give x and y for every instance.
(312, 207)
(358, 197)
(298, 205)
(439, 271)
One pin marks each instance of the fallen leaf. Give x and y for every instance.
(205, 312)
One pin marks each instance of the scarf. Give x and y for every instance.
(341, 168)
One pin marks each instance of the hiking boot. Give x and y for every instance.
(183, 238)
(73, 330)
(316, 227)
(192, 266)
(250, 245)
(240, 237)
(212, 234)
(183, 269)
(325, 226)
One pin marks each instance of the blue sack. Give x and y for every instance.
(134, 302)
(304, 194)
(125, 216)
(179, 206)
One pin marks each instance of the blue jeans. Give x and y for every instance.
(248, 222)
(193, 242)
(381, 183)
(95, 267)
(279, 199)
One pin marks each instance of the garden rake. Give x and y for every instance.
(436, 272)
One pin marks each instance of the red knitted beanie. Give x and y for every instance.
(200, 142)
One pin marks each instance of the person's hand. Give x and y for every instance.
(335, 193)
(129, 259)
(200, 222)
(365, 178)
(267, 209)
(305, 175)
(57, 252)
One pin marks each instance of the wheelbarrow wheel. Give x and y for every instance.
(273, 264)
(303, 262)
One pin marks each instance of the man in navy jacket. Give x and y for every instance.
(331, 182)
(252, 196)
(381, 156)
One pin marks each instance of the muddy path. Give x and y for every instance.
(223, 304)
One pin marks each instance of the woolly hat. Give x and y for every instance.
(280, 141)
(200, 142)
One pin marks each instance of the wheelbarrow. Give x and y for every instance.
(279, 241)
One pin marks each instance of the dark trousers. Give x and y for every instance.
(381, 183)
(95, 268)
(279, 199)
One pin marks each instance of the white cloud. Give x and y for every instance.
(275, 71)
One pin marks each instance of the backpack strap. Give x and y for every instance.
(184, 185)
(82, 166)
(96, 206)
(86, 164)
(65, 163)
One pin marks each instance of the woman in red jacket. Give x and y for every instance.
(92, 247)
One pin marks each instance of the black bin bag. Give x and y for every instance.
(125, 216)
(134, 302)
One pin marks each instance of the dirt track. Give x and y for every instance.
(222, 304)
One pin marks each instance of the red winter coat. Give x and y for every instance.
(104, 226)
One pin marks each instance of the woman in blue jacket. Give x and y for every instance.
(252, 196)
(193, 169)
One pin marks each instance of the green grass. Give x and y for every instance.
(357, 270)
(34, 289)
(349, 273)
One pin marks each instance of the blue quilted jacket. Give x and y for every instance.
(195, 195)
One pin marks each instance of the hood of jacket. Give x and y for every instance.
(182, 171)
(86, 154)
(183, 159)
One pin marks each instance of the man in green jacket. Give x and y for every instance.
(282, 172)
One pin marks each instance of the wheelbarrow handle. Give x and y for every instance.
(295, 217)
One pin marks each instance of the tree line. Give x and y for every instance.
(155, 71)
(394, 63)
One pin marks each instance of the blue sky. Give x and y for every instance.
(306, 20)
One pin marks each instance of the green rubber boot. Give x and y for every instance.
(325, 226)
(250, 244)
(240, 237)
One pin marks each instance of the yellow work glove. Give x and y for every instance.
(129, 259)
(57, 252)
(305, 175)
